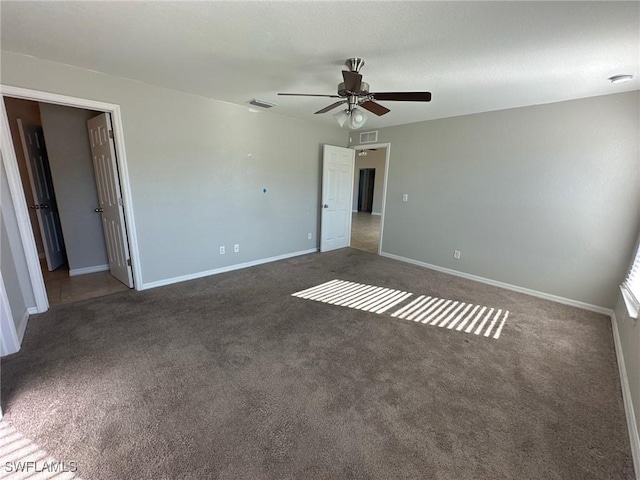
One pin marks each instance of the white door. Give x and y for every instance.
(110, 197)
(35, 153)
(337, 192)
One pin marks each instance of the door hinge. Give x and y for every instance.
(128, 262)
(110, 133)
(120, 201)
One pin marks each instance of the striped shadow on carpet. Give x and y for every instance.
(427, 310)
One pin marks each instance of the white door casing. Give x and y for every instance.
(111, 207)
(337, 193)
(35, 154)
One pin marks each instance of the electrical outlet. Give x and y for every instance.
(236, 248)
(405, 197)
(309, 236)
(222, 250)
(456, 254)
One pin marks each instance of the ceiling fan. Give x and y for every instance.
(355, 93)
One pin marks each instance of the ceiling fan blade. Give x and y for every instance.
(403, 96)
(309, 95)
(374, 107)
(331, 107)
(352, 81)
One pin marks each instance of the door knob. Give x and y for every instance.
(44, 205)
(35, 207)
(99, 210)
(325, 206)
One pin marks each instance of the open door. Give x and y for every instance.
(337, 193)
(35, 153)
(111, 208)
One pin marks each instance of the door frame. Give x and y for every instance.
(386, 146)
(10, 162)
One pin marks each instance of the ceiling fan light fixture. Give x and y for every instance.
(357, 119)
(342, 116)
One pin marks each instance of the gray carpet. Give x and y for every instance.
(231, 377)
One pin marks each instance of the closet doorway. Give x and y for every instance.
(54, 156)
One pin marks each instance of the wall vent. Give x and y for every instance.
(261, 103)
(369, 137)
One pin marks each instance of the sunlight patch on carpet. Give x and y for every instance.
(427, 310)
(355, 295)
(21, 458)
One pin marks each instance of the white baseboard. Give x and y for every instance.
(230, 268)
(84, 270)
(507, 286)
(376, 213)
(632, 424)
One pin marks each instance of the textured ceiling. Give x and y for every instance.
(472, 56)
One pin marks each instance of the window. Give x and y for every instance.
(631, 287)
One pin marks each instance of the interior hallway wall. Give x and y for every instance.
(373, 159)
(69, 151)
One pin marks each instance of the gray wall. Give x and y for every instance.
(197, 168)
(371, 160)
(13, 263)
(69, 151)
(543, 197)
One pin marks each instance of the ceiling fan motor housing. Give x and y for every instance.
(343, 92)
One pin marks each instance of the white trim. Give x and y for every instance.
(387, 146)
(507, 286)
(84, 270)
(18, 198)
(230, 268)
(22, 325)
(17, 194)
(9, 342)
(32, 310)
(379, 214)
(632, 425)
(630, 303)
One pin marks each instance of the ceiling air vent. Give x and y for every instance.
(369, 137)
(261, 103)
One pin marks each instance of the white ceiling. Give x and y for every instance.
(472, 56)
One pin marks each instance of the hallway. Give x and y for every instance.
(365, 231)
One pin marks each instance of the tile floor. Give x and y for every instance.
(61, 288)
(365, 231)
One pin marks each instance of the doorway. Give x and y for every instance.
(368, 197)
(84, 272)
(53, 151)
(366, 185)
